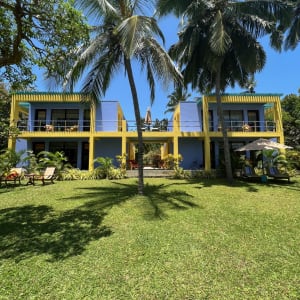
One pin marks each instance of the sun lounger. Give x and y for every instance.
(249, 173)
(274, 173)
(14, 176)
(48, 175)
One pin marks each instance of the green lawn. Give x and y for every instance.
(182, 240)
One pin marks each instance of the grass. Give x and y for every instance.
(182, 240)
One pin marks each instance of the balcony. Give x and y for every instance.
(246, 126)
(53, 126)
(59, 127)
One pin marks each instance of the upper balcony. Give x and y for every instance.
(79, 127)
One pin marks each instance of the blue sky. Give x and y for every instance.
(280, 75)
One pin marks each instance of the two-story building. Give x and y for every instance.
(64, 122)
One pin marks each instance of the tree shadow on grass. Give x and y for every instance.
(157, 199)
(33, 230)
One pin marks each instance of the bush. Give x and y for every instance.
(293, 159)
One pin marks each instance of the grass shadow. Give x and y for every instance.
(34, 230)
(158, 198)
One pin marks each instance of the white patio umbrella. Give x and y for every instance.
(148, 116)
(262, 144)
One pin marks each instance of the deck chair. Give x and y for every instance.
(249, 173)
(274, 173)
(14, 176)
(48, 175)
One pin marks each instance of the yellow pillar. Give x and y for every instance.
(175, 146)
(278, 118)
(207, 159)
(93, 118)
(124, 146)
(91, 153)
(92, 138)
(131, 155)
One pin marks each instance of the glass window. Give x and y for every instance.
(64, 118)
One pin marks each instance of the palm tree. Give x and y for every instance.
(293, 37)
(218, 44)
(179, 94)
(121, 36)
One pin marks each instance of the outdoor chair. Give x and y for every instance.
(274, 173)
(133, 164)
(249, 173)
(49, 128)
(48, 175)
(14, 176)
(73, 128)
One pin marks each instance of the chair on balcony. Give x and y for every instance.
(73, 128)
(274, 173)
(49, 128)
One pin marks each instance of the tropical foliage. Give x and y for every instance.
(25, 31)
(218, 44)
(122, 32)
(9, 159)
(291, 120)
(179, 94)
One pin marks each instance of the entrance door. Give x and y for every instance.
(40, 120)
(253, 120)
(85, 156)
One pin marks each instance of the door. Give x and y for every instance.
(40, 120)
(253, 120)
(85, 156)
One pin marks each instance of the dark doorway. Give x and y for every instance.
(85, 156)
(40, 120)
(37, 147)
(253, 120)
(69, 149)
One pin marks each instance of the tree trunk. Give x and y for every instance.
(227, 157)
(138, 124)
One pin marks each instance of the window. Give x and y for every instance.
(69, 149)
(86, 120)
(63, 119)
(233, 119)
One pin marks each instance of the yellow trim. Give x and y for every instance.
(91, 153)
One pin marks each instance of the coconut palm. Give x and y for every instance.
(121, 36)
(179, 94)
(218, 44)
(293, 37)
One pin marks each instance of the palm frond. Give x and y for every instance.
(97, 8)
(133, 29)
(220, 40)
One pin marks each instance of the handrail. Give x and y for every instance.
(115, 126)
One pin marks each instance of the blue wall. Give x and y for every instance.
(107, 116)
(108, 147)
(191, 150)
(190, 116)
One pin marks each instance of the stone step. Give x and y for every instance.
(151, 173)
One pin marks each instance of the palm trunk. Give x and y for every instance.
(138, 122)
(227, 157)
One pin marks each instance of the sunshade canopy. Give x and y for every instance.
(262, 144)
